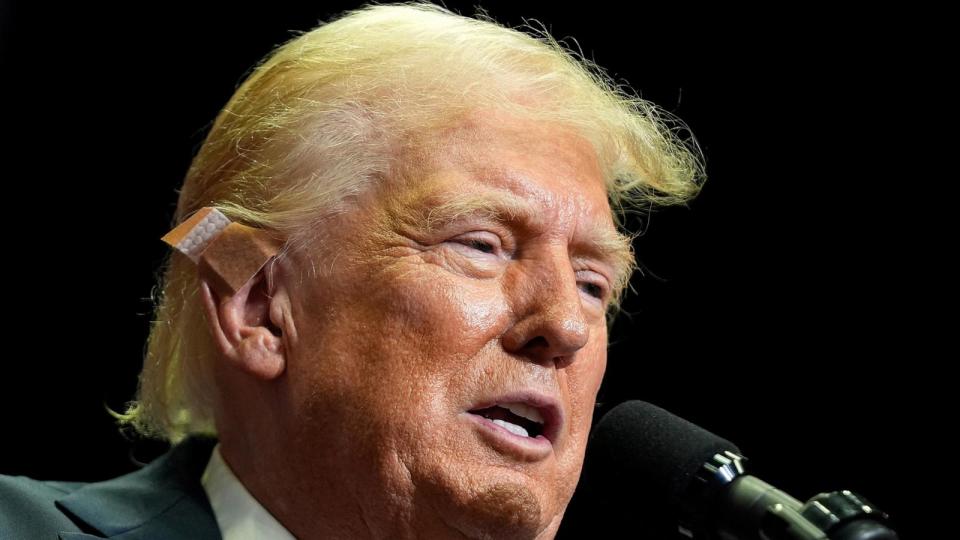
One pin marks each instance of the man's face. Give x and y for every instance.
(449, 348)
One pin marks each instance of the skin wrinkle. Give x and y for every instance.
(575, 262)
(409, 330)
(426, 213)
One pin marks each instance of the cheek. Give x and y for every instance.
(594, 369)
(478, 308)
(444, 312)
(407, 331)
(583, 380)
(587, 371)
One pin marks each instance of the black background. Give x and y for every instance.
(795, 307)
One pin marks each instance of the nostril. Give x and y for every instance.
(538, 342)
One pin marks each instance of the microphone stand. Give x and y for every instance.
(755, 510)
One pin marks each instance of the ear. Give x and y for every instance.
(246, 324)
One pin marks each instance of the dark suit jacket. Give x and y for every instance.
(164, 500)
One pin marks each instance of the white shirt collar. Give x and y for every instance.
(239, 515)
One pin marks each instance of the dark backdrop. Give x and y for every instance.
(788, 308)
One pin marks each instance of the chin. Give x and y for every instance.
(497, 503)
(502, 510)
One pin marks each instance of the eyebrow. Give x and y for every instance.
(434, 211)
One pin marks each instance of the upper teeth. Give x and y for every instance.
(525, 411)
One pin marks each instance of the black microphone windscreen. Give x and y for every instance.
(649, 454)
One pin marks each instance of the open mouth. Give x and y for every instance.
(523, 425)
(517, 418)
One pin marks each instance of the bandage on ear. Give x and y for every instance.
(228, 253)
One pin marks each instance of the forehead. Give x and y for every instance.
(546, 165)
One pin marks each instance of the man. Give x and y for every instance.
(421, 352)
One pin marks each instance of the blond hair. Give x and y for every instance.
(323, 116)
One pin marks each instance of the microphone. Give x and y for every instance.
(667, 476)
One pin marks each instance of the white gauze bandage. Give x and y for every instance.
(229, 253)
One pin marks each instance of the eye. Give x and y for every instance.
(593, 284)
(480, 245)
(481, 241)
(593, 290)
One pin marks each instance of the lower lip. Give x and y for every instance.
(525, 448)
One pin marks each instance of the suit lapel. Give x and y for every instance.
(165, 499)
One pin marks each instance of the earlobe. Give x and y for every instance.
(244, 326)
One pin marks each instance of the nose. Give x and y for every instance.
(550, 325)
